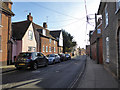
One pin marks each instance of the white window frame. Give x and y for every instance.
(30, 35)
(49, 48)
(43, 48)
(106, 16)
(50, 40)
(46, 48)
(54, 42)
(107, 50)
(54, 49)
(30, 48)
(117, 5)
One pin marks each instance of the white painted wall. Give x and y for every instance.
(28, 43)
(61, 39)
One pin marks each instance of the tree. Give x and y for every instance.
(68, 42)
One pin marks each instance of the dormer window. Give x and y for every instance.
(30, 35)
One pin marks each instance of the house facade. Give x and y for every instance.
(30, 37)
(5, 32)
(59, 36)
(110, 12)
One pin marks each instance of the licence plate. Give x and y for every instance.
(21, 64)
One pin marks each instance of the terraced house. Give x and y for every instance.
(5, 32)
(30, 37)
(110, 12)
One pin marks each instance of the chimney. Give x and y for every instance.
(29, 17)
(8, 3)
(45, 25)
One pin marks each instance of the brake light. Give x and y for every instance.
(30, 57)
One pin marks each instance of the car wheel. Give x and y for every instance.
(18, 68)
(35, 66)
(46, 64)
(53, 61)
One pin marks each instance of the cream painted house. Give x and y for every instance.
(29, 42)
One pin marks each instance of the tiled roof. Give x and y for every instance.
(19, 29)
(5, 9)
(55, 33)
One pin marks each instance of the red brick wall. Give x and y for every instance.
(45, 42)
(93, 51)
(100, 51)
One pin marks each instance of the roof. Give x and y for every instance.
(19, 29)
(40, 28)
(56, 33)
(6, 9)
(101, 7)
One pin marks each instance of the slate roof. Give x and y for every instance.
(5, 9)
(56, 33)
(19, 29)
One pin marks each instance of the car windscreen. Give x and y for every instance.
(24, 54)
(51, 55)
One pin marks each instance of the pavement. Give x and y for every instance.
(8, 68)
(95, 76)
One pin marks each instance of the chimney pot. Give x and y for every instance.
(29, 17)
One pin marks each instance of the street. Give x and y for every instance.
(59, 75)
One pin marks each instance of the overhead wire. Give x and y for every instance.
(54, 10)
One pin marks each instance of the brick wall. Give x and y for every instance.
(45, 42)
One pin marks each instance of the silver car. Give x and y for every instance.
(53, 58)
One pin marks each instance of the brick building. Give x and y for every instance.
(96, 43)
(5, 32)
(110, 12)
(59, 36)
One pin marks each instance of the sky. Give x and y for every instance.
(69, 16)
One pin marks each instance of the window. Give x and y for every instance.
(49, 49)
(106, 16)
(30, 35)
(54, 41)
(29, 48)
(98, 31)
(0, 19)
(34, 49)
(50, 40)
(54, 49)
(43, 49)
(0, 44)
(46, 48)
(107, 49)
(117, 5)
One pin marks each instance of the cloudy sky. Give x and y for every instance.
(69, 15)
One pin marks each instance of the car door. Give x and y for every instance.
(42, 59)
(39, 58)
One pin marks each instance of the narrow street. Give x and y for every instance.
(59, 75)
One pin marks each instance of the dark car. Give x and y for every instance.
(68, 57)
(30, 59)
(62, 57)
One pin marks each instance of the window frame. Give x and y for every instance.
(117, 5)
(106, 16)
(46, 48)
(43, 48)
(54, 49)
(30, 35)
(49, 48)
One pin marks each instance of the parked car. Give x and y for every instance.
(53, 58)
(68, 57)
(62, 57)
(30, 59)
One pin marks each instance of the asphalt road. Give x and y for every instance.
(60, 75)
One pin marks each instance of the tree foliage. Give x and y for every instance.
(68, 42)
